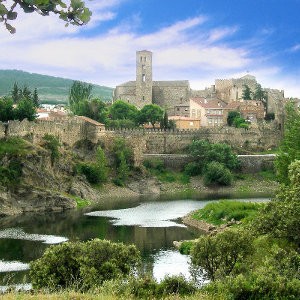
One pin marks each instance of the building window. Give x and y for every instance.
(144, 77)
(191, 123)
(178, 109)
(141, 59)
(143, 98)
(145, 59)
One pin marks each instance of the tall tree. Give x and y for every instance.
(260, 95)
(246, 92)
(290, 146)
(35, 98)
(72, 12)
(79, 91)
(15, 93)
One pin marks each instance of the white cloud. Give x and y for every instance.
(183, 50)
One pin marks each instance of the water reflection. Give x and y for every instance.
(151, 226)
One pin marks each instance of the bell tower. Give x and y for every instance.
(143, 78)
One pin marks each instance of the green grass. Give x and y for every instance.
(13, 146)
(218, 213)
(79, 201)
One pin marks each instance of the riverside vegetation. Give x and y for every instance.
(259, 259)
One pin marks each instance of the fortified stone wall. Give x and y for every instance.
(68, 131)
(159, 141)
(142, 141)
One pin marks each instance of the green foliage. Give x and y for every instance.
(193, 169)
(25, 110)
(6, 110)
(176, 285)
(73, 12)
(154, 164)
(271, 273)
(204, 152)
(124, 123)
(185, 247)
(289, 149)
(94, 109)
(151, 113)
(217, 173)
(123, 160)
(95, 172)
(280, 217)
(52, 143)
(246, 92)
(231, 116)
(10, 175)
(83, 265)
(81, 202)
(223, 211)
(79, 91)
(121, 110)
(220, 255)
(13, 146)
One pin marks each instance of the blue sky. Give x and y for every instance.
(191, 40)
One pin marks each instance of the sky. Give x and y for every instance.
(195, 40)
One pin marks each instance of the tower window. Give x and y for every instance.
(141, 59)
(143, 98)
(145, 59)
(144, 77)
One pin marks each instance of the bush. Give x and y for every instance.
(82, 266)
(155, 164)
(52, 144)
(176, 285)
(193, 169)
(185, 247)
(91, 172)
(217, 173)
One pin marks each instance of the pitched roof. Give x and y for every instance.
(86, 119)
(209, 103)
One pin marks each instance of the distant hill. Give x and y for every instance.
(50, 89)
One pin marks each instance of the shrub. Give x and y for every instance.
(193, 169)
(80, 265)
(176, 285)
(91, 172)
(185, 247)
(217, 173)
(155, 164)
(220, 255)
(52, 144)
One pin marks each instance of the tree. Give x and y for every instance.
(246, 92)
(280, 217)
(289, 149)
(204, 152)
(231, 116)
(260, 95)
(6, 109)
(121, 110)
(15, 93)
(25, 110)
(35, 98)
(75, 13)
(151, 113)
(219, 255)
(79, 92)
(217, 173)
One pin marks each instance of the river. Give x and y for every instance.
(152, 225)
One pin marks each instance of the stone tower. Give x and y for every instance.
(143, 78)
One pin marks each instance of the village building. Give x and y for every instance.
(210, 112)
(188, 123)
(251, 110)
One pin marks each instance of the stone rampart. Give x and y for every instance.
(176, 141)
